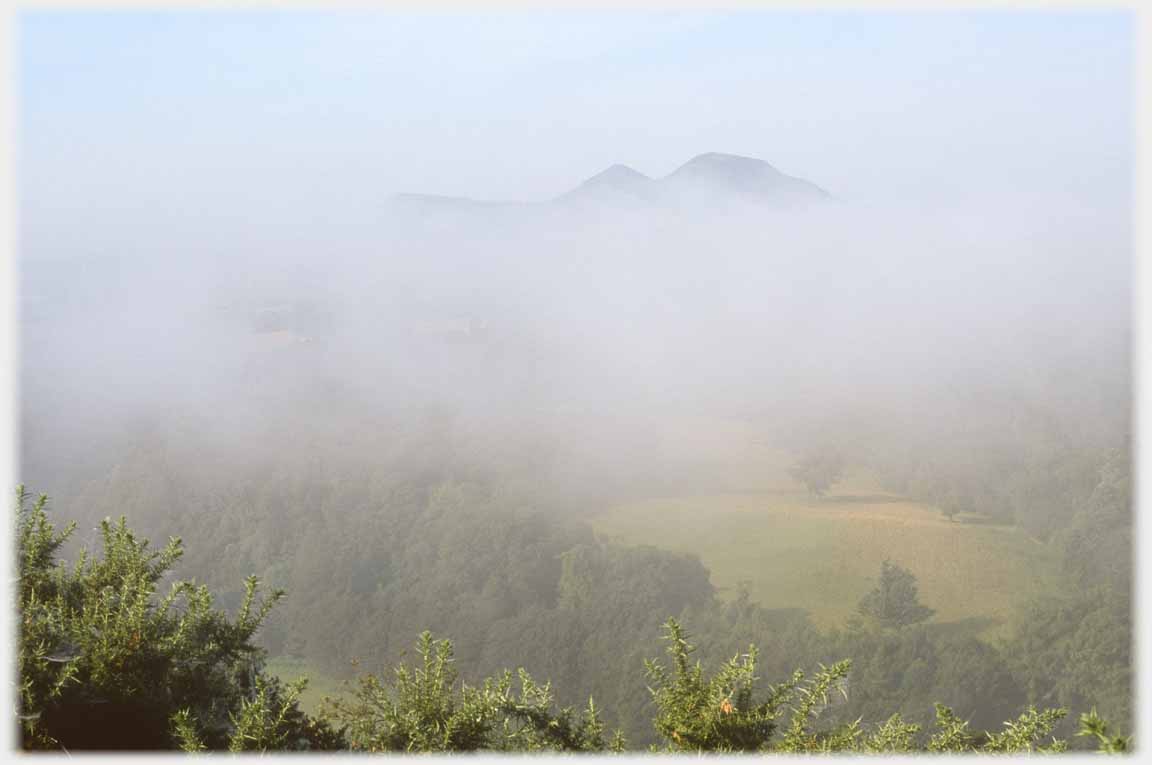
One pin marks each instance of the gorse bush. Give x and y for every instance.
(1091, 726)
(423, 710)
(107, 662)
(722, 713)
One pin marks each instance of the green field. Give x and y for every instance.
(289, 668)
(822, 555)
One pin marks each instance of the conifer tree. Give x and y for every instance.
(894, 601)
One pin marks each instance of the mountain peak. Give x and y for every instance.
(717, 158)
(616, 180)
(617, 175)
(714, 171)
(622, 171)
(725, 165)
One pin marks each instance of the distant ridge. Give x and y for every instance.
(709, 177)
(732, 173)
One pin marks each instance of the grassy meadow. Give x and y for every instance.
(289, 668)
(761, 530)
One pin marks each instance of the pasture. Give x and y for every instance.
(762, 531)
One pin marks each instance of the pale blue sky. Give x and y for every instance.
(123, 113)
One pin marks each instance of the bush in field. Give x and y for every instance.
(819, 470)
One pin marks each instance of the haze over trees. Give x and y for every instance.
(819, 470)
(105, 664)
(433, 464)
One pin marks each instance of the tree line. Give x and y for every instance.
(374, 553)
(115, 653)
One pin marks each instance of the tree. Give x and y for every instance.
(105, 663)
(895, 601)
(819, 470)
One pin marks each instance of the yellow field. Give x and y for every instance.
(823, 555)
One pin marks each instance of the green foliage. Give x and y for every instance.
(895, 601)
(1088, 634)
(185, 732)
(107, 663)
(809, 700)
(271, 720)
(375, 553)
(104, 663)
(1097, 543)
(697, 713)
(1018, 459)
(421, 710)
(717, 714)
(1093, 727)
(1026, 733)
(894, 735)
(951, 733)
(1085, 628)
(386, 525)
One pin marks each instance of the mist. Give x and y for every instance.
(539, 329)
(543, 319)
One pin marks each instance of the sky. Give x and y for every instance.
(194, 116)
